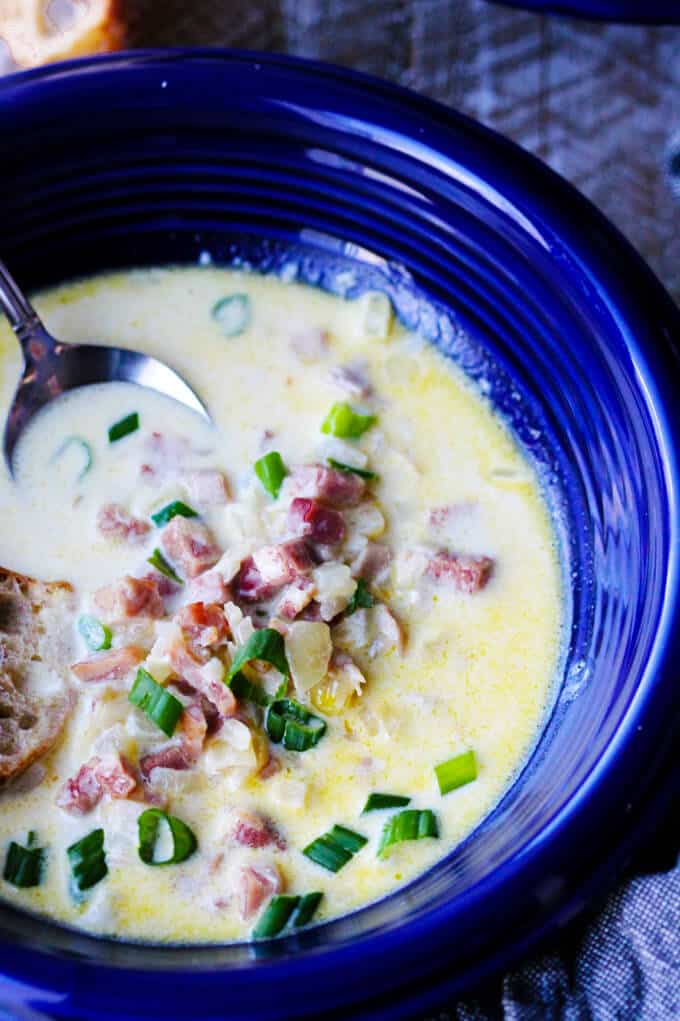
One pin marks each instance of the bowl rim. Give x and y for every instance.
(610, 260)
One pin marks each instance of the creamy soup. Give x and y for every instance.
(313, 642)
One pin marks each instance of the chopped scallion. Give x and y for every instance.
(266, 644)
(83, 449)
(246, 691)
(233, 314)
(456, 772)
(158, 561)
(334, 849)
(346, 423)
(271, 471)
(159, 705)
(377, 802)
(363, 473)
(24, 865)
(411, 824)
(288, 722)
(184, 842)
(97, 636)
(362, 598)
(88, 861)
(172, 510)
(286, 909)
(124, 427)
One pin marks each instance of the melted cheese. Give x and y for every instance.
(477, 671)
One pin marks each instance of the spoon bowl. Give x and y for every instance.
(52, 368)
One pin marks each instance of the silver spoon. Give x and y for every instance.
(52, 367)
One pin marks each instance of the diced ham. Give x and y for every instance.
(295, 597)
(252, 830)
(165, 453)
(114, 522)
(190, 546)
(203, 625)
(269, 569)
(372, 563)
(316, 482)
(467, 573)
(203, 678)
(94, 779)
(209, 587)
(352, 379)
(130, 597)
(110, 664)
(206, 487)
(311, 519)
(311, 612)
(254, 886)
(192, 730)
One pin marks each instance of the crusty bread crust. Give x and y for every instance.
(99, 26)
(35, 625)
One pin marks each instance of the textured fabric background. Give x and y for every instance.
(601, 104)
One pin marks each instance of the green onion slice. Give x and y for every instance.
(288, 722)
(158, 561)
(159, 705)
(334, 849)
(271, 471)
(87, 860)
(97, 636)
(124, 427)
(363, 473)
(184, 842)
(411, 824)
(266, 644)
(233, 314)
(172, 510)
(83, 448)
(377, 802)
(246, 691)
(342, 421)
(362, 598)
(284, 909)
(24, 865)
(456, 772)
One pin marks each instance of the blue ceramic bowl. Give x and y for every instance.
(347, 182)
(637, 12)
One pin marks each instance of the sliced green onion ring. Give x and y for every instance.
(172, 510)
(289, 723)
(362, 598)
(87, 860)
(266, 644)
(271, 471)
(84, 448)
(124, 427)
(411, 824)
(233, 314)
(246, 691)
(306, 909)
(184, 842)
(363, 473)
(286, 910)
(456, 772)
(24, 865)
(332, 850)
(96, 635)
(158, 561)
(160, 705)
(377, 802)
(346, 423)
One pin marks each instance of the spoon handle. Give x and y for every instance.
(22, 317)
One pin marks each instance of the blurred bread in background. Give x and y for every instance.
(41, 31)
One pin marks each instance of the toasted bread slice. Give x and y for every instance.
(35, 652)
(42, 31)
